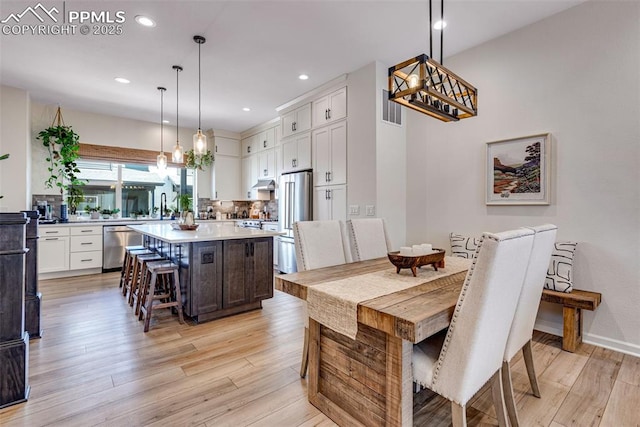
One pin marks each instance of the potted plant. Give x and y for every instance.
(167, 212)
(74, 197)
(106, 213)
(94, 212)
(115, 213)
(63, 148)
(154, 212)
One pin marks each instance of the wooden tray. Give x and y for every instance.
(185, 226)
(436, 259)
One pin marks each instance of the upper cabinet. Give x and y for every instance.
(298, 120)
(329, 154)
(266, 139)
(249, 145)
(330, 107)
(227, 146)
(296, 153)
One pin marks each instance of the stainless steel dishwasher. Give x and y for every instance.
(114, 240)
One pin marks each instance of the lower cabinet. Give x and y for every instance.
(69, 248)
(248, 271)
(53, 249)
(221, 278)
(53, 254)
(200, 276)
(330, 202)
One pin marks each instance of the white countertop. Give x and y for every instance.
(127, 221)
(206, 232)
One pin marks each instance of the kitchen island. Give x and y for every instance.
(224, 270)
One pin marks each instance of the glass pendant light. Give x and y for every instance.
(178, 151)
(199, 139)
(161, 160)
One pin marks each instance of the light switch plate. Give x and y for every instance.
(354, 209)
(371, 210)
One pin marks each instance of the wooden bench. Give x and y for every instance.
(572, 305)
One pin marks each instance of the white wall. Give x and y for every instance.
(112, 131)
(15, 134)
(361, 139)
(576, 75)
(391, 167)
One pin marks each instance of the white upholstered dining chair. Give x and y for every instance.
(318, 244)
(526, 311)
(368, 238)
(474, 344)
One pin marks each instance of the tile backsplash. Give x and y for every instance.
(238, 207)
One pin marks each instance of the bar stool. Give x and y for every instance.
(159, 287)
(128, 264)
(126, 259)
(139, 269)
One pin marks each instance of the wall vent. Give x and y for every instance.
(391, 111)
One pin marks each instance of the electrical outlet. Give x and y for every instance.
(371, 210)
(354, 209)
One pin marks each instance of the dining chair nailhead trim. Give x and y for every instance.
(456, 312)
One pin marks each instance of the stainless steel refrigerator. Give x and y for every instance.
(295, 203)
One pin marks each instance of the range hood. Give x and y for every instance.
(265, 185)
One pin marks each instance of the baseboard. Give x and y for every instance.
(611, 344)
(593, 339)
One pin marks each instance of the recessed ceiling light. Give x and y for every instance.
(246, 109)
(122, 80)
(303, 77)
(439, 25)
(145, 21)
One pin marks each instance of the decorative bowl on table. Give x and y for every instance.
(435, 258)
(177, 226)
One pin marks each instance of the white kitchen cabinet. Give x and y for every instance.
(53, 249)
(296, 121)
(85, 249)
(265, 139)
(227, 146)
(249, 145)
(82, 260)
(266, 164)
(329, 145)
(330, 203)
(249, 175)
(296, 153)
(227, 180)
(330, 108)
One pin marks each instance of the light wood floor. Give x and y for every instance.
(95, 366)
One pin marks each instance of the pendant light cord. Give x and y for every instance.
(199, 89)
(178, 68)
(430, 32)
(441, 30)
(161, 89)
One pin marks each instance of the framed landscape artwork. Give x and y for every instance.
(518, 171)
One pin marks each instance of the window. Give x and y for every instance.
(132, 188)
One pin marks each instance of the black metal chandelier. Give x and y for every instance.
(424, 85)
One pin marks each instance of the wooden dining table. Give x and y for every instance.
(368, 380)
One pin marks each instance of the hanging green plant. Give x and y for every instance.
(197, 161)
(63, 146)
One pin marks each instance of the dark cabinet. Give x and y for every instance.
(200, 276)
(223, 277)
(248, 271)
(14, 350)
(32, 298)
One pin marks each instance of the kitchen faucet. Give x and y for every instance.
(163, 198)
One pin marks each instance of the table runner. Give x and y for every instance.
(335, 304)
